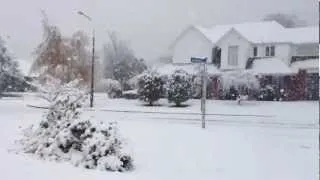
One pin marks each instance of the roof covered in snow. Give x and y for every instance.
(193, 69)
(256, 32)
(300, 35)
(270, 66)
(263, 32)
(311, 65)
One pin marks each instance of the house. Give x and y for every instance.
(266, 48)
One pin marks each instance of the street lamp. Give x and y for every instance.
(92, 62)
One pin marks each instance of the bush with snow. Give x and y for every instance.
(113, 88)
(64, 135)
(150, 87)
(179, 87)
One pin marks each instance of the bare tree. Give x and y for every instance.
(286, 20)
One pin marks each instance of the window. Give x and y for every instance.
(233, 55)
(267, 51)
(255, 51)
(270, 51)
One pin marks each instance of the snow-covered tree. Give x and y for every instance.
(120, 62)
(64, 134)
(10, 76)
(150, 87)
(179, 87)
(65, 58)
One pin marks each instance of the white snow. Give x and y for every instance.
(264, 32)
(255, 32)
(24, 66)
(273, 65)
(192, 69)
(173, 146)
(311, 65)
(300, 35)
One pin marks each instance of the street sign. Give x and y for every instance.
(198, 59)
(202, 61)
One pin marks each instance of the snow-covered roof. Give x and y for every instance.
(189, 68)
(24, 66)
(311, 65)
(270, 66)
(300, 35)
(263, 32)
(256, 32)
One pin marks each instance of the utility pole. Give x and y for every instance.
(93, 56)
(92, 69)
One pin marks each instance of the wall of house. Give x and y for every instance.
(232, 38)
(191, 44)
(306, 50)
(283, 51)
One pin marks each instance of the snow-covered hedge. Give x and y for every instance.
(64, 135)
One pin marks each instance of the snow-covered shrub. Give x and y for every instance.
(150, 87)
(113, 88)
(64, 135)
(179, 87)
(269, 93)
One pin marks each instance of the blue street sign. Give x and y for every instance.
(198, 59)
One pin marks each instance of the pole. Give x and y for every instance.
(92, 70)
(204, 95)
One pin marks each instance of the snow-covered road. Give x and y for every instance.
(173, 146)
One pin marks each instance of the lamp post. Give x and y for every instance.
(92, 61)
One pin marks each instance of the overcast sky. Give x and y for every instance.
(148, 25)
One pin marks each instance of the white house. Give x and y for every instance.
(248, 45)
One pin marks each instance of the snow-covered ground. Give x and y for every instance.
(278, 141)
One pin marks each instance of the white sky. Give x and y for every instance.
(149, 25)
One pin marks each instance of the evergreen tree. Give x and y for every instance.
(179, 87)
(150, 87)
(10, 76)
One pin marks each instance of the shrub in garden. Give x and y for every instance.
(150, 87)
(113, 88)
(179, 87)
(64, 135)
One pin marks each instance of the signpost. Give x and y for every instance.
(203, 62)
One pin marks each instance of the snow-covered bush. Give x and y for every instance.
(64, 135)
(269, 93)
(179, 87)
(113, 88)
(150, 87)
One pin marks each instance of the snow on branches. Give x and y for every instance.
(150, 87)
(65, 135)
(179, 87)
